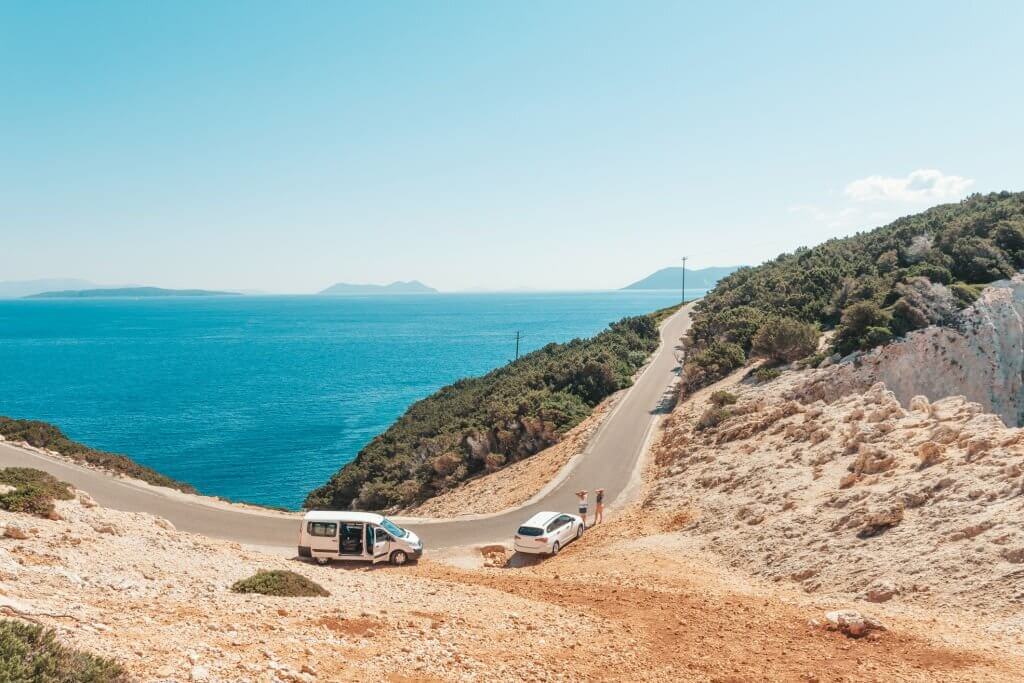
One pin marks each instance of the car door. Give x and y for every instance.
(381, 544)
(565, 529)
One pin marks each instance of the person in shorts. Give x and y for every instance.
(581, 495)
(598, 506)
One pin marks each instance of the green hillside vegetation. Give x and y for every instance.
(32, 653)
(34, 491)
(871, 287)
(482, 424)
(44, 435)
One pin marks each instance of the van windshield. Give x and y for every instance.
(530, 531)
(393, 529)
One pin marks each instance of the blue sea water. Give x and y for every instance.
(263, 398)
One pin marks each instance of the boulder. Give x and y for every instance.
(852, 623)
(16, 532)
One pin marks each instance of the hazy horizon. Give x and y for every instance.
(569, 147)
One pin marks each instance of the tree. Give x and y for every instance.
(857, 321)
(784, 340)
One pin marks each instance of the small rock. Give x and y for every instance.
(108, 528)
(86, 501)
(7, 488)
(15, 531)
(881, 591)
(199, 673)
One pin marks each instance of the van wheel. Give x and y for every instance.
(555, 548)
(399, 557)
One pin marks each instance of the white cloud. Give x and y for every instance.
(922, 185)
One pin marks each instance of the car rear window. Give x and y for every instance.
(529, 531)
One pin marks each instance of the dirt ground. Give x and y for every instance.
(625, 603)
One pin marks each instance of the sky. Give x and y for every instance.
(572, 145)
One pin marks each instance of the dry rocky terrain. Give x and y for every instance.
(629, 602)
(808, 482)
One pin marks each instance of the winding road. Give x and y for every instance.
(610, 460)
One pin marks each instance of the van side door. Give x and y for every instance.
(323, 538)
(381, 545)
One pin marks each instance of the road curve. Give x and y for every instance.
(609, 461)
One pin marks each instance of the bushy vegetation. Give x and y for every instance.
(32, 653)
(723, 398)
(34, 491)
(485, 423)
(43, 435)
(280, 583)
(870, 287)
(784, 340)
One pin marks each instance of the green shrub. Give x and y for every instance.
(784, 340)
(712, 363)
(43, 435)
(510, 413)
(713, 417)
(861, 325)
(813, 360)
(977, 240)
(766, 374)
(34, 491)
(280, 583)
(32, 653)
(723, 398)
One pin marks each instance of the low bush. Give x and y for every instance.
(712, 363)
(43, 435)
(713, 417)
(784, 340)
(34, 491)
(723, 398)
(281, 583)
(766, 374)
(32, 653)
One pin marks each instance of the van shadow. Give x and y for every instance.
(349, 565)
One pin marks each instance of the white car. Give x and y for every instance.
(548, 532)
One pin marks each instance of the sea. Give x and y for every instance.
(263, 398)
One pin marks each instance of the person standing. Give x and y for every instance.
(581, 495)
(598, 506)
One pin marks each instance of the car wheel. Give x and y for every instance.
(399, 557)
(555, 548)
(579, 532)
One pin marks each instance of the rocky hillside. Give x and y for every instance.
(871, 287)
(980, 355)
(841, 490)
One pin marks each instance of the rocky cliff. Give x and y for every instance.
(981, 357)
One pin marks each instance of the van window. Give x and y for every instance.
(328, 529)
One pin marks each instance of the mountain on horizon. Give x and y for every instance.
(410, 287)
(125, 292)
(18, 289)
(671, 278)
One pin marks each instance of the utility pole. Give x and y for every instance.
(517, 344)
(682, 288)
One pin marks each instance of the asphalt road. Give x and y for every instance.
(609, 461)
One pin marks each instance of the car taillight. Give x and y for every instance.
(543, 539)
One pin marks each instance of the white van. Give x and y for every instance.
(327, 535)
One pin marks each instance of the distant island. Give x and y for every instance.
(410, 287)
(19, 289)
(126, 292)
(671, 278)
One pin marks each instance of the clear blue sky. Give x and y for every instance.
(286, 146)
